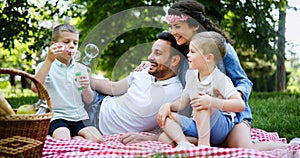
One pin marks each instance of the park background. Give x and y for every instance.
(265, 35)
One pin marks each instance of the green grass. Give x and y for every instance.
(18, 97)
(277, 112)
(272, 112)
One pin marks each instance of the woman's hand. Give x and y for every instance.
(142, 66)
(163, 113)
(201, 102)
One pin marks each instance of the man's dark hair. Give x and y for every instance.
(183, 49)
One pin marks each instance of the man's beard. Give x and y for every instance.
(161, 71)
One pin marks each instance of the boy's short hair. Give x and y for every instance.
(62, 28)
(211, 42)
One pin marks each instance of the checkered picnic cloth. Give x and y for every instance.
(112, 147)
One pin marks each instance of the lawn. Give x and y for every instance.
(273, 112)
(277, 112)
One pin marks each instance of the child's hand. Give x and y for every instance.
(55, 49)
(84, 82)
(201, 102)
(163, 113)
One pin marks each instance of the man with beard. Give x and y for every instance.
(135, 100)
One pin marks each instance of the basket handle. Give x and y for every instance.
(42, 92)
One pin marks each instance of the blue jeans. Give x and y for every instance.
(93, 110)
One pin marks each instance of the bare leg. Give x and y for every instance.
(240, 137)
(91, 133)
(130, 138)
(62, 133)
(77, 137)
(165, 139)
(202, 119)
(174, 131)
(269, 145)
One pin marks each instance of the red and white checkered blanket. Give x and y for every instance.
(112, 147)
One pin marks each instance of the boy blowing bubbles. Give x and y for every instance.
(57, 73)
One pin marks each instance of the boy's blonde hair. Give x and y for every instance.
(62, 28)
(211, 42)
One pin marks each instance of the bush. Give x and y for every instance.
(4, 84)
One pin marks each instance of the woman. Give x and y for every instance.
(186, 18)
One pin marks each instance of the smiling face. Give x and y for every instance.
(182, 32)
(70, 42)
(160, 60)
(197, 59)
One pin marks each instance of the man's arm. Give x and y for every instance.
(110, 87)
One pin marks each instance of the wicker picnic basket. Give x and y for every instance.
(23, 135)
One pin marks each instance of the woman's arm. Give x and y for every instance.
(236, 73)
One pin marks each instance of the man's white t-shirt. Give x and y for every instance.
(136, 110)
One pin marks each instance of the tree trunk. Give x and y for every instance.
(280, 77)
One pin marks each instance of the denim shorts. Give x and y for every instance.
(220, 125)
(93, 110)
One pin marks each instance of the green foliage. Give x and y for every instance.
(118, 28)
(294, 81)
(119, 61)
(26, 30)
(253, 32)
(15, 18)
(4, 84)
(18, 97)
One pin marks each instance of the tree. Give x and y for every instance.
(118, 28)
(253, 31)
(280, 77)
(251, 24)
(26, 29)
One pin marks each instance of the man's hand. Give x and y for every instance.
(130, 138)
(163, 113)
